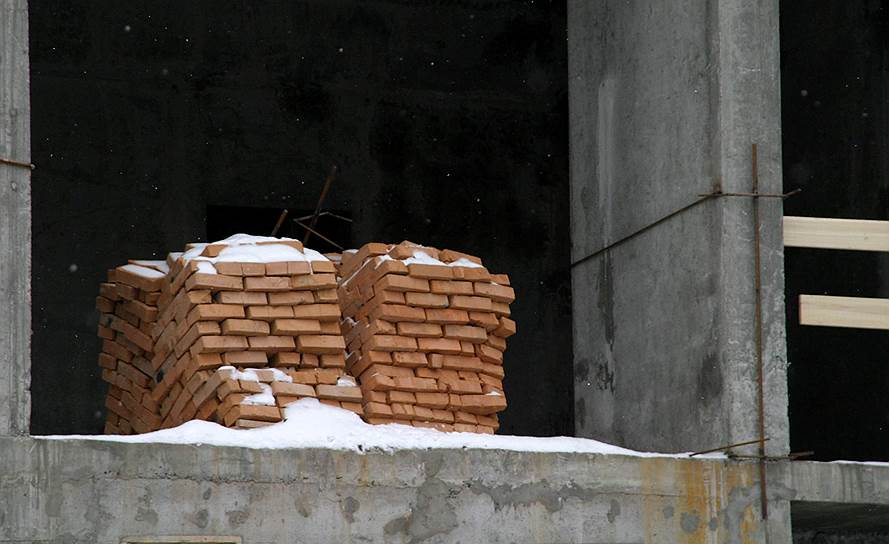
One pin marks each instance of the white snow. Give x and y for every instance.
(346, 381)
(465, 263)
(245, 248)
(142, 271)
(266, 398)
(310, 424)
(421, 257)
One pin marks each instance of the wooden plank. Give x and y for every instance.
(850, 312)
(829, 233)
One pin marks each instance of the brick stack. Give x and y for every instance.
(425, 332)
(228, 332)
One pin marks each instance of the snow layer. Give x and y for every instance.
(245, 248)
(310, 424)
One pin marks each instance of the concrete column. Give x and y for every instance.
(15, 220)
(665, 101)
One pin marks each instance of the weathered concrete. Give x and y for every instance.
(665, 101)
(80, 491)
(15, 221)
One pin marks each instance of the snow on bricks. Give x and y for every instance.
(234, 331)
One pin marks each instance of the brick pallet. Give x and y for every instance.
(425, 332)
(228, 332)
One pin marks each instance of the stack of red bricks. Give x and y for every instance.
(425, 331)
(230, 332)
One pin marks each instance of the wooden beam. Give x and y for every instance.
(851, 312)
(829, 233)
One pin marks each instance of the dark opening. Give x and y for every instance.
(448, 121)
(835, 102)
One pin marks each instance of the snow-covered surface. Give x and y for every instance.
(310, 424)
(245, 248)
(142, 271)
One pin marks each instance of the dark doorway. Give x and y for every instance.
(835, 102)
(448, 121)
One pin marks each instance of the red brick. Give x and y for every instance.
(333, 360)
(394, 282)
(313, 343)
(500, 308)
(406, 383)
(257, 413)
(451, 287)
(472, 303)
(267, 283)
(244, 327)
(384, 342)
(213, 282)
(489, 355)
(293, 389)
(432, 400)
(430, 271)
(496, 342)
(321, 312)
(296, 326)
(269, 313)
(218, 344)
(439, 345)
(409, 359)
(245, 358)
(397, 313)
(214, 312)
(486, 320)
(340, 393)
(455, 362)
(426, 300)
(323, 267)
(291, 298)
(506, 329)
(313, 282)
(242, 298)
(286, 358)
(420, 330)
(471, 273)
(467, 333)
(446, 316)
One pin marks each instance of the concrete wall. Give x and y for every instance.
(76, 491)
(665, 102)
(448, 121)
(15, 220)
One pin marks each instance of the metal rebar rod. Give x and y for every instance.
(327, 183)
(280, 222)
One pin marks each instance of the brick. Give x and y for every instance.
(447, 316)
(285, 358)
(330, 327)
(269, 313)
(242, 298)
(500, 309)
(245, 327)
(394, 282)
(323, 267)
(432, 400)
(385, 342)
(245, 358)
(506, 329)
(290, 298)
(409, 359)
(310, 360)
(115, 349)
(214, 312)
(472, 303)
(426, 300)
(267, 283)
(213, 282)
(327, 376)
(321, 312)
(108, 291)
(205, 361)
(253, 269)
(105, 333)
(465, 417)
(333, 360)
(379, 409)
(141, 310)
(462, 387)
(252, 424)
(440, 345)
(419, 330)
(387, 370)
(107, 361)
(402, 411)
(495, 371)
(324, 295)
(293, 389)
(483, 404)
(308, 377)
(403, 397)
(455, 362)
(314, 343)
(496, 342)
(377, 382)
(406, 383)
(313, 282)
(489, 421)
(475, 335)
(448, 287)
(296, 326)
(330, 402)
(340, 393)
(254, 412)
(141, 277)
(500, 279)
(471, 273)
(489, 355)
(396, 313)
(197, 330)
(285, 400)
(218, 344)
(430, 271)
(497, 293)
(440, 416)
(486, 320)
(229, 269)
(271, 343)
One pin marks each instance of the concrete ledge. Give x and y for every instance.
(89, 491)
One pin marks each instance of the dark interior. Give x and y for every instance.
(835, 102)
(160, 123)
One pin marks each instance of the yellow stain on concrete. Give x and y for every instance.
(700, 502)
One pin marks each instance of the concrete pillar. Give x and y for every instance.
(15, 220)
(665, 101)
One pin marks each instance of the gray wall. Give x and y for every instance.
(15, 220)
(665, 100)
(448, 121)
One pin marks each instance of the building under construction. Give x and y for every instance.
(689, 197)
